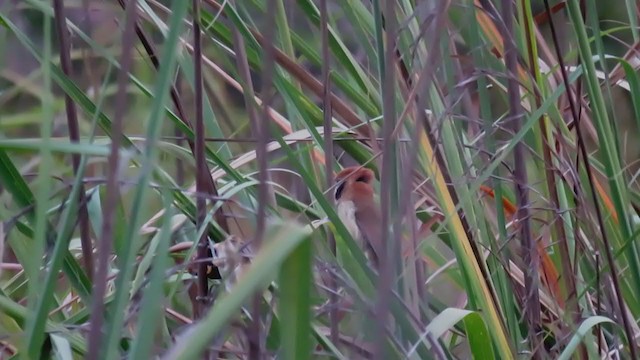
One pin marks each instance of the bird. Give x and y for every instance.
(235, 257)
(357, 208)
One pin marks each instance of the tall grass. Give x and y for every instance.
(167, 179)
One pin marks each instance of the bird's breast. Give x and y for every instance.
(347, 213)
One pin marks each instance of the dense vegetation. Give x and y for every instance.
(143, 142)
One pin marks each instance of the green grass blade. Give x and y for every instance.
(280, 242)
(126, 263)
(152, 302)
(295, 303)
(586, 327)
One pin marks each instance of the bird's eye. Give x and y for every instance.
(339, 191)
(362, 178)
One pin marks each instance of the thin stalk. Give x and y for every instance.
(202, 172)
(504, 288)
(74, 135)
(531, 257)
(260, 130)
(552, 186)
(388, 183)
(221, 220)
(328, 162)
(112, 188)
(35, 324)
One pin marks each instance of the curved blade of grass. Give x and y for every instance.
(634, 87)
(475, 326)
(15, 184)
(295, 303)
(582, 331)
(478, 335)
(282, 241)
(20, 314)
(323, 338)
(62, 347)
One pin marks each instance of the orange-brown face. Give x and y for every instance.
(354, 184)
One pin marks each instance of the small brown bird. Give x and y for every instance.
(234, 257)
(358, 209)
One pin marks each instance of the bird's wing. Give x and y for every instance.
(369, 227)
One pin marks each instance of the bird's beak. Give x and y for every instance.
(339, 189)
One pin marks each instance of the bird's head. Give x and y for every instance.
(354, 184)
